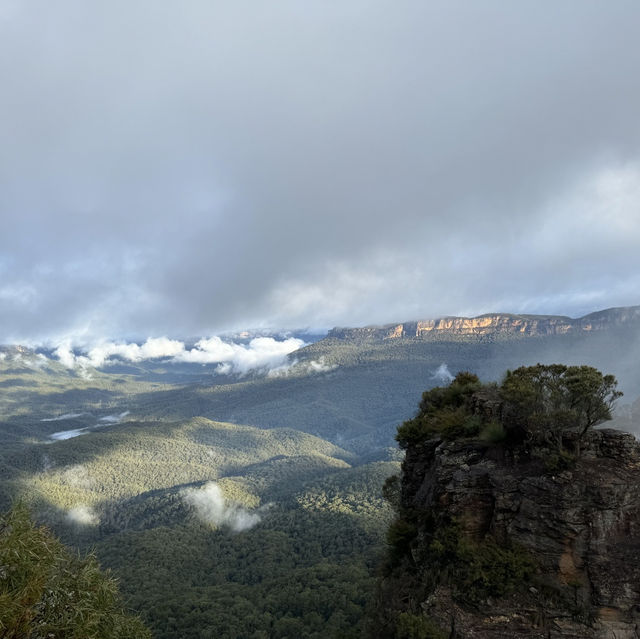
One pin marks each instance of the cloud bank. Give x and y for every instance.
(211, 507)
(261, 353)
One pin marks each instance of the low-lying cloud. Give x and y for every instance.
(211, 507)
(62, 417)
(261, 353)
(77, 477)
(305, 368)
(113, 419)
(443, 374)
(82, 515)
(107, 420)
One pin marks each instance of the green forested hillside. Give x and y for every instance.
(303, 567)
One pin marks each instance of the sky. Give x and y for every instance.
(183, 169)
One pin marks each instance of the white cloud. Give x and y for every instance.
(113, 419)
(443, 374)
(68, 434)
(320, 366)
(308, 368)
(61, 417)
(261, 353)
(82, 516)
(210, 506)
(65, 355)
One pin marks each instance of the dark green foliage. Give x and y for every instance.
(299, 574)
(493, 432)
(47, 592)
(542, 402)
(474, 570)
(485, 569)
(558, 461)
(391, 491)
(399, 537)
(446, 412)
(410, 626)
(537, 403)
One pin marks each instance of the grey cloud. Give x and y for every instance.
(187, 169)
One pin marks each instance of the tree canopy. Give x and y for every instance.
(545, 400)
(541, 403)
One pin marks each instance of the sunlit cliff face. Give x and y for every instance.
(500, 323)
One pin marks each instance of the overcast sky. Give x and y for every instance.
(185, 168)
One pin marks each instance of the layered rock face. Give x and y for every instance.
(497, 323)
(580, 526)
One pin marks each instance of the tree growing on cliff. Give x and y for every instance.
(445, 411)
(544, 402)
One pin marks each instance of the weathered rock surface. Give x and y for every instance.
(497, 323)
(581, 526)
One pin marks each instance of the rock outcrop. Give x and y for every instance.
(497, 324)
(579, 527)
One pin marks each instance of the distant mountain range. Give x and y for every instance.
(497, 323)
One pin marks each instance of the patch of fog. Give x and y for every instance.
(68, 434)
(211, 507)
(81, 515)
(443, 374)
(77, 477)
(113, 419)
(61, 417)
(107, 420)
(315, 366)
(30, 360)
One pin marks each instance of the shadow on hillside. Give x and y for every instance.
(12, 382)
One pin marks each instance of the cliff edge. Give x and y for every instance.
(509, 538)
(504, 324)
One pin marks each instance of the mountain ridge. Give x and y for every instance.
(495, 323)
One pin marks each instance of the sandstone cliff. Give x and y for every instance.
(572, 536)
(497, 324)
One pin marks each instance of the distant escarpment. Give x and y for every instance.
(507, 530)
(496, 324)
